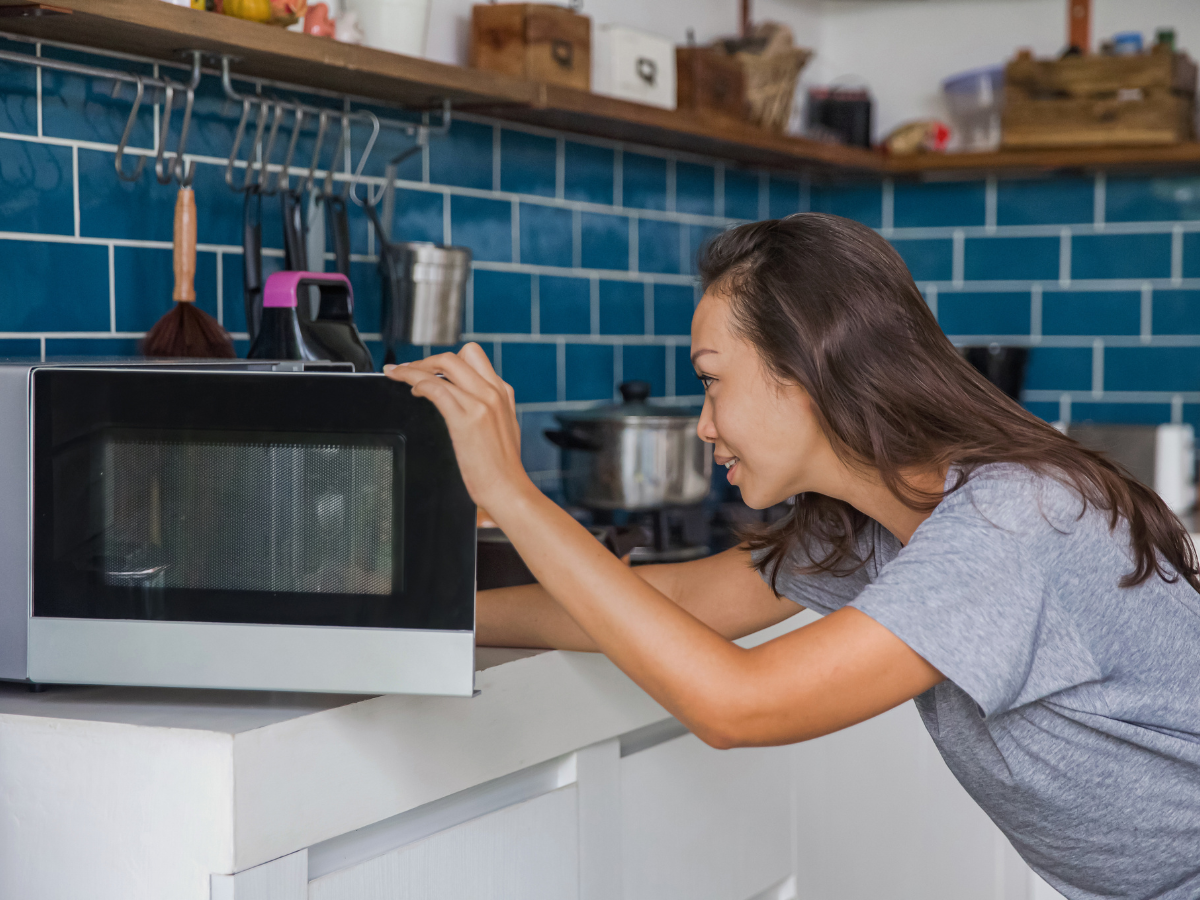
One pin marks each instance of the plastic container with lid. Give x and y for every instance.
(975, 100)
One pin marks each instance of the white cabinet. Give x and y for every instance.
(528, 851)
(879, 814)
(704, 824)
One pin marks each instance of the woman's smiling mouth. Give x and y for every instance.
(729, 462)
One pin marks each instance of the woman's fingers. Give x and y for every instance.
(438, 391)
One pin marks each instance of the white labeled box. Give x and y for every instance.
(633, 65)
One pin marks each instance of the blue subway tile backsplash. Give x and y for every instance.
(622, 307)
(1097, 256)
(939, 204)
(1091, 312)
(588, 173)
(1011, 258)
(1045, 201)
(585, 250)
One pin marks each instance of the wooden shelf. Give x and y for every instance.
(152, 28)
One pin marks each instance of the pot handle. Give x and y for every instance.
(573, 439)
(635, 391)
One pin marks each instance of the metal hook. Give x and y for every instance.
(141, 163)
(248, 177)
(265, 157)
(322, 125)
(283, 179)
(393, 164)
(177, 169)
(352, 186)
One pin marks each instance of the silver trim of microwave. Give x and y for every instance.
(255, 657)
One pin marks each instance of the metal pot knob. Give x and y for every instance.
(635, 391)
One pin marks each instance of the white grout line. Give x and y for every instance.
(990, 193)
(685, 248)
(1177, 254)
(1035, 313)
(1064, 257)
(1064, 408)
(648, 309)
(1177, 409)
(618, 369)
(75, 186)
(887, 207)
(447, 235)
(42, 348)
(1100, 201)
(535, 301)
(931, 298)
(498, 357)
(1147, 313)
(633, 244)
(1098, 367)
(618, 177)
(560, 168)
(672, 354)
(959, 259)
(1085, 396)
(112, 290)
(594, 307)
(576, 239)
(560, 367)
(515, 227)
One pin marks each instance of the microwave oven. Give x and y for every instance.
(231, 525)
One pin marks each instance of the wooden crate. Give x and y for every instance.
(709, 80)
(537, 41)
(1084, 101)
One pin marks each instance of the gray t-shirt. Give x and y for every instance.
(1071, 709)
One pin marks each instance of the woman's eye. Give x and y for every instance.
(705, 380)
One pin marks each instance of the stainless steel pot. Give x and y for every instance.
(633, 455)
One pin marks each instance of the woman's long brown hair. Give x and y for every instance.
(830, 306)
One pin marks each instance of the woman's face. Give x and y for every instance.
(765, 432)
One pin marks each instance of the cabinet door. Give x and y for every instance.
(528, 851)
(704, 824)
(878, 814)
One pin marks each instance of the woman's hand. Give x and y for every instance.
(481, 416)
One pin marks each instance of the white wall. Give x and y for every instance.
(901, 49)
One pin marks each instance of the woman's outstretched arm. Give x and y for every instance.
(723, 591)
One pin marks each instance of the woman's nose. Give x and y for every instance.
(706, 429)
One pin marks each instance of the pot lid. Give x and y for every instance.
(635, 396)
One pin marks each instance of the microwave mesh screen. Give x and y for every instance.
(293, 517)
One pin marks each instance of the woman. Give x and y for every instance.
(1039, 604)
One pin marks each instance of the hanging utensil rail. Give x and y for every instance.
(172, 165)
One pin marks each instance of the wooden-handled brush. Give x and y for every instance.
(187, 331)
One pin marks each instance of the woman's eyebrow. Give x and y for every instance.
(700, 353)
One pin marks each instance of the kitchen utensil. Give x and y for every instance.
(325, 308)
(280, 335)
(423, 285)
(252, 280)
(842, 113)
(1002, 366)
(295, 249)
(633, 455)
(337, 221)
(187, 330)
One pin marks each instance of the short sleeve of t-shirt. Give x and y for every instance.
(971, 598)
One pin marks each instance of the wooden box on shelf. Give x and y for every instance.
(710, 81)
(1078, 101)
(537, 41)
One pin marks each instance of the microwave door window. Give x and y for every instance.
(272, 516)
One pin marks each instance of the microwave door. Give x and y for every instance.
(269, 515)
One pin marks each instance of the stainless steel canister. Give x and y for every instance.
(633, 455)
(435, 280)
